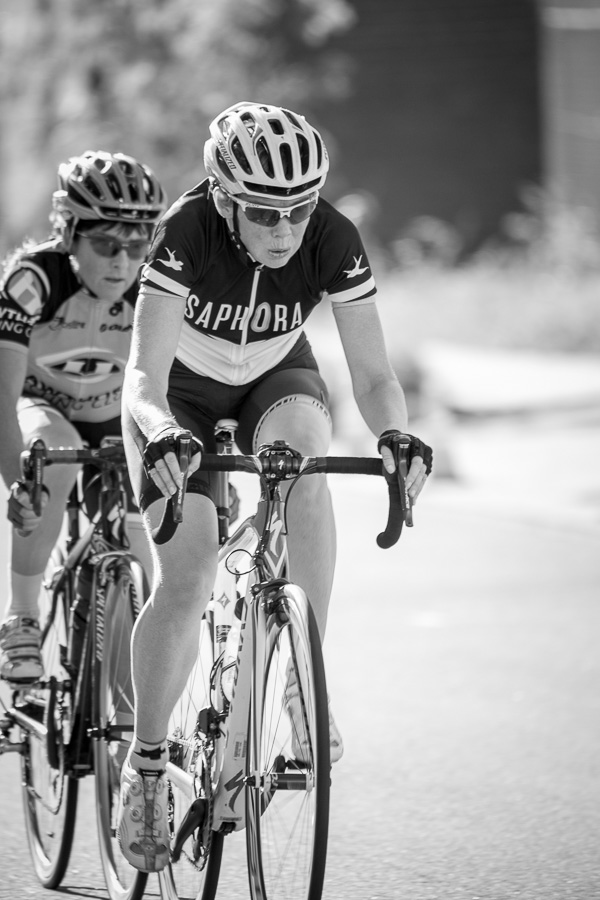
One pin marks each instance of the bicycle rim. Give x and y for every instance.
(287, 807)
(113, 704)
(191, 777)
(49, 794)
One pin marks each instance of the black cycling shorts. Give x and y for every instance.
(198, 403)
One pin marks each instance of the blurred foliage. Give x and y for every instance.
(145, 77)
(536, 287)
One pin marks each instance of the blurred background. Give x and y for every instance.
(465, 143)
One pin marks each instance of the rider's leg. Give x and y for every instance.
(29, 555)
(138, 542)
(305, 424)
(20, 656)
(165, 638)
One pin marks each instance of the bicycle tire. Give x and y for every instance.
(121, 583)
(49, 792)
(288, 768)
(187, 773)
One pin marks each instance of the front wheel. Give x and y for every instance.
(288, 773)
(49, 793)
(118, 601)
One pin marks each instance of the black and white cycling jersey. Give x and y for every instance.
(243, 318)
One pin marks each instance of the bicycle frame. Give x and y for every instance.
(255, 754)
(71, 721)
(263, 536)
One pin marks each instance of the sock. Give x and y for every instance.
(147, 757)
(25, 594)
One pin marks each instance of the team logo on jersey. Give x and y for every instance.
(171, 262)
(25, 289)
(357, 270)
(89, 366)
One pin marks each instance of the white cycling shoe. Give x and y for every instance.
(20, 654)
(142, 822)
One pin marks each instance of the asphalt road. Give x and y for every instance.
(464, 672)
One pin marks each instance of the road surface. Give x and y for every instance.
(464, 672)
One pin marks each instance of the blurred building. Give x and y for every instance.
(459, 105)
(570, 92)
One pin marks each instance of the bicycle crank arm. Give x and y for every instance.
(281, 781)
(193, 819)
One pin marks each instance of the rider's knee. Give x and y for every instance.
(48, 424)
(303, 421)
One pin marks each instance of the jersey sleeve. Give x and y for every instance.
(175, 257)
(25, 290)
(346, 271)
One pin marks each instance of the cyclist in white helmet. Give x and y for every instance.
(66, 318)
(236, 267)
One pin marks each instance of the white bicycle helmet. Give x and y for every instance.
(265, 151)
(110, 187)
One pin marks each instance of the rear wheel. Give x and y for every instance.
(49, 793)
(122, 588)
(287, 806)
(196, 863)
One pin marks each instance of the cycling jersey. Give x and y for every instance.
(76, 344)
(241, 317)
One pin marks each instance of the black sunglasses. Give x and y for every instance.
(109, 247)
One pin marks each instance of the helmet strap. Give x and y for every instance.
(67, 232)
(234, 233)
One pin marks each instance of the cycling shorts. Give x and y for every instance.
(198, 402)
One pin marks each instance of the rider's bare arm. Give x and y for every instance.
(154, 341)
(13, 366)
(377, 391)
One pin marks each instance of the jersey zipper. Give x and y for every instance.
(238, 354)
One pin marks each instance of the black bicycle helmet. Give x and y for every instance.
(109, 187)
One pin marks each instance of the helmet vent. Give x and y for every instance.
(250, 123)
(319, 144)
(276, 126)
(113, 184)
(223, 167)
(264, 156)
(240, 156)
(90, 185)
(292, 118)
(304, 152)
(285, 152)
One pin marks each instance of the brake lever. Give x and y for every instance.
(405, 501)
(184, 456)
(33, 470)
